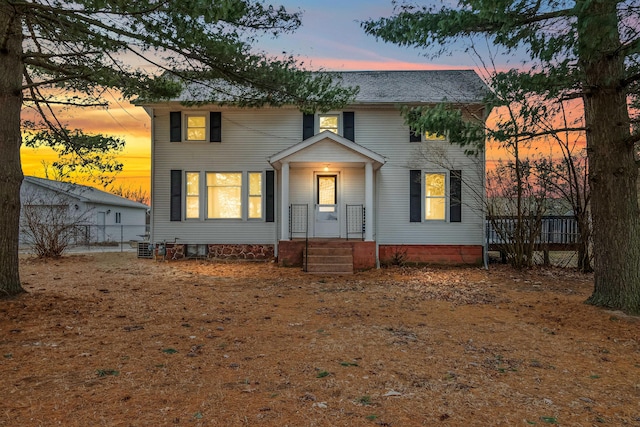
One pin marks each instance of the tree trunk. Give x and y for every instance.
(584, 252)
(11, 67)
(613, 172)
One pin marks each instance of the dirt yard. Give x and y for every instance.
(112, 340)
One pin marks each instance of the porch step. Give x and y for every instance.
(329, 260)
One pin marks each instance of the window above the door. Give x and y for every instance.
(328, 122)
(342, 124)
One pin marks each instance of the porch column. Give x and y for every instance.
(284, 207)
(368, 201)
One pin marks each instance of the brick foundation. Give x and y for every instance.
(430, 254)
(364, 253)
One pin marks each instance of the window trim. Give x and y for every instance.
(444, 196)
(267, 195)
(329, 114)
(261, 196)
(198, 195)
(243, 201)
(185, 121)
(453, 209)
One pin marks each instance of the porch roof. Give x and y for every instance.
(340, 152)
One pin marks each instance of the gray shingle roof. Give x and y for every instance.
(378, 87)
(84, 193)
(417, 86)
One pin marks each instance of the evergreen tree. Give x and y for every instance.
(577, 49)
(57, 53)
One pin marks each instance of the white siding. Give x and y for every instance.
(384, 132)
(328, 152)
(250, 137)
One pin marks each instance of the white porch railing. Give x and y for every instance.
(355, 221)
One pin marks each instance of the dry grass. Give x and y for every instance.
(111, 340)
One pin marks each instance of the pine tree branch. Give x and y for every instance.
(67, 103)
(524, 136)
(631, 79)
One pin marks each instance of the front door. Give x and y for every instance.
(327, 223)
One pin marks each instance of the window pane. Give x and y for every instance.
(193, 183)
(195, 134)
(224, 195)
(196, 121)
(255, 184)
(193, 207)
(428, 136)
(255, 207)
(326, 190)
(214, 179)
(434, 184)
(193, 195)
(434, 191)
(434, 208)
(329, 123)
(196, 128)
(255, 195)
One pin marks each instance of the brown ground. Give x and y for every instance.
(112, 340)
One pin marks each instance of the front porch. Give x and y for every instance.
(299, 253)
(326, 187)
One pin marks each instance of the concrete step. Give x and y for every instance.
(330, 268)
(325, 251)
(326, 259)
(329, 260)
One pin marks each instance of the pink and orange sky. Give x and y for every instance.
(330, 38)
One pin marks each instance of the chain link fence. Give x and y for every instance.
(98, 238)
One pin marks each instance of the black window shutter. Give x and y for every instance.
(175, 123)
(415, 196)
(348, 125)
(308, 126)
(176, 196)
(414, 136)
(215, 126)
(270, 197)
(455, 200)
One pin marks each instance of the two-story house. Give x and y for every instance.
(262, 183)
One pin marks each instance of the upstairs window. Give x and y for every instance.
(428, 136)
(118, 217)
(196, 127)
(328, 122)
(341, 124)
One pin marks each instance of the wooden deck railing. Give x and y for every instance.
(556, 232)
